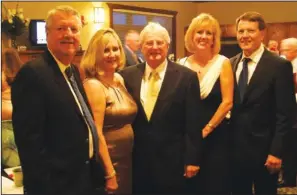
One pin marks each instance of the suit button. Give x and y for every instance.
(87, 140)
(87, 162)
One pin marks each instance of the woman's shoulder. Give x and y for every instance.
(93, 83)
(119, 78)
(222, 57)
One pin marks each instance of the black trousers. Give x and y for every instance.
(244, 178)
(290, 158)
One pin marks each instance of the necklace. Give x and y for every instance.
(201, 69)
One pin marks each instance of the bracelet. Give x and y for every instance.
(210, 125)
(111, 175)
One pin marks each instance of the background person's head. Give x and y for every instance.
(11, 64)
(250, 28)
(63, 27)
(132, 40)
(203, 32)
(272, 45)
(155, 41)
(288, 48)
(104, 54)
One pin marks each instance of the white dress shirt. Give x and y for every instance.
(255, 58)
(62, 68)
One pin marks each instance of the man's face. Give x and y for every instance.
(288, 51)
(154, 49)
(272, 46)
(63, 35)
(133, 41)
(249, 36)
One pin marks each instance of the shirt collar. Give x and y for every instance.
(160, 70)
(255, 57)
(61, 66)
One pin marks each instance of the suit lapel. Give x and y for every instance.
(257, 75)
(138, 80)
(60, 81)
(167, 88)
(235, 63)
(136, 86)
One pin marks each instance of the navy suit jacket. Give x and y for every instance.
(129, 58)
(265, 115)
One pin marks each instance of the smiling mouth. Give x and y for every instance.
(67, 42)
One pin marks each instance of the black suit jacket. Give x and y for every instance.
(263, 118)
(50, 132)
(172, 138)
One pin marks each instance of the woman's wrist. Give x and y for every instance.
(111, 175)
(210, 125)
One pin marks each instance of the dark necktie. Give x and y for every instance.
(86, 112)
(243, 78)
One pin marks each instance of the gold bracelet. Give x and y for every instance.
(210, 125)
(111, 175)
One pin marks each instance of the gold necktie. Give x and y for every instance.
(152, 94)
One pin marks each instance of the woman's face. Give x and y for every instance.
(111, 55)
(204, 38)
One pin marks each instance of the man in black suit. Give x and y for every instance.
(51, 133)
(167, 127)
(263, 109)
(131, 48)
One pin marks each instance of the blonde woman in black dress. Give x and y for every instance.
(216, 87)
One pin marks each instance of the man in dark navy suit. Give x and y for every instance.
(131, 48)
(264, 106)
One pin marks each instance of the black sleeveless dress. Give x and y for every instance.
(214, 175)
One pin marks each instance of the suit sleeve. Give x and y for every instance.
(29, 128)
(193, 122)
(285, 107)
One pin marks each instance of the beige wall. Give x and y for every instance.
(227, 12)
(38, 10)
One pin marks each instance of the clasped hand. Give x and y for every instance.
(191, 171)
(273, 164)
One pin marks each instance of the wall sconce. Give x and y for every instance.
(98, 15)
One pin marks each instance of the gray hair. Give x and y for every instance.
(62, 8)
(290, 41)
(154, 27)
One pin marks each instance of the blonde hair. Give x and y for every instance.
(198, 23)
(93, 56)
(154, 27)
(11, 63)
